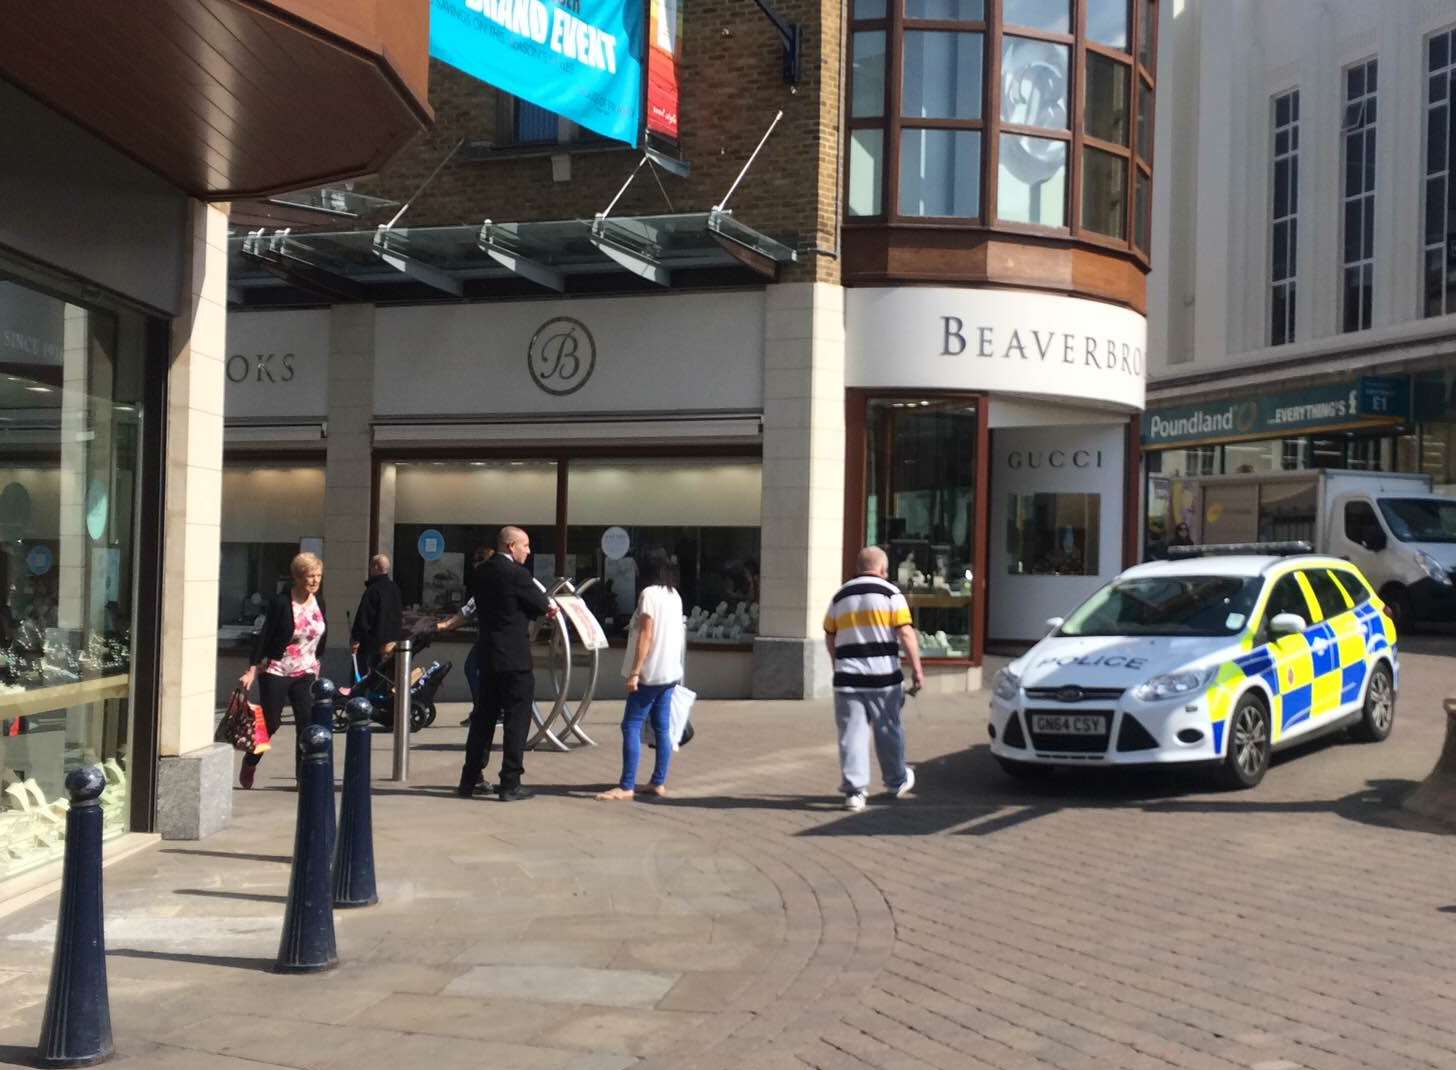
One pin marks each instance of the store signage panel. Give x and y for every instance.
(938, 338)
(577, 58)
(277, 364)
(664, 42)
(655, 356)
(1371, 399)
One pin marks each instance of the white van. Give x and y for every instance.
(1399, 533)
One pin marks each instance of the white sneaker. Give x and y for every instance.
(909, 785)
(855, 802)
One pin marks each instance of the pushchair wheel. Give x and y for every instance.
(419, 716)
(430, 715)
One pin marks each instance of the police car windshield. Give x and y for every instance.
(1420, 519)
(1167, 605)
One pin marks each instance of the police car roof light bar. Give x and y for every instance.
(1228, 549)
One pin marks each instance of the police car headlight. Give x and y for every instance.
(1433, 568)
(1006, 685)
(1173, 684)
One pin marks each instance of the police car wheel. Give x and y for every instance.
(1024, 770)
(1248, 743)
(1378, 715)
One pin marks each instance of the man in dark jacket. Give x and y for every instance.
(507, 599)
(378, 623)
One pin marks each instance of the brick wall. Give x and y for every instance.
(731, 85)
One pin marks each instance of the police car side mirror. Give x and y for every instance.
(1286, 624)
(1053, 623)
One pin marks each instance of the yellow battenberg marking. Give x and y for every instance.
(1309, 597)
(1326, 694)
(1349, 602)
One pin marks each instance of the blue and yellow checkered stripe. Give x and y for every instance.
(1322, 668)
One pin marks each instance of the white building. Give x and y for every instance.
(1303, 298)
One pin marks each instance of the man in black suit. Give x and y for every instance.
(507, 599)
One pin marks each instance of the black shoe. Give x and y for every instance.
(465, 789)
(515, 794)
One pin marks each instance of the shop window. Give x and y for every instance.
(1104, 193)
(1284, 220)
(1032, 181)
(866, 171)
(617, 509)
(1107, 108)
(1358, 292)
(70, 443)
(869, 75)
(1049, 16)
(940, 172)
(1147, 33)
(919, 501)
(1053, 534)
(1439, 265)
(1107, 23)
(445, 512)
(269, 513)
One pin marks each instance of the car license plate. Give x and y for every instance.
(1067, 724)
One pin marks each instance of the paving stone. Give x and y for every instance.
(564, 984)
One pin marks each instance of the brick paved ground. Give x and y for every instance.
(1142, 922)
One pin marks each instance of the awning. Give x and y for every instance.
(606, 254)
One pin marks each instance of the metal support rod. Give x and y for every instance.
(623, 190)
(405, 206)
(402, 652)
(723, 204)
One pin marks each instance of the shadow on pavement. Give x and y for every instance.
(17, 1055)
(247, 897)
(232, 962)
(285, 860)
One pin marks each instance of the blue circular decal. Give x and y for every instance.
(432, 545)
(39, 560)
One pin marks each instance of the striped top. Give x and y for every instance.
(862, 618)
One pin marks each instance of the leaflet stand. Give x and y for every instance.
(563, 665)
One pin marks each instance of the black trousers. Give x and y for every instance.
(504, 697)
(273, 692)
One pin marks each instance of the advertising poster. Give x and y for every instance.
(586, 626)
(664, 42)
(578, 58)
(444, 586)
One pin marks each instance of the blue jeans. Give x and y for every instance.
(654, 700)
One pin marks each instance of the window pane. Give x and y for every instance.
(1435, 210)
(1034, 83)
(1352, 230)
(1142, 212)
(1104, 193)
(1107, 22)
(1279, 312)
(1145, 121)
(535, 126)
(869, 9)
(1032, 181)
(1440, 53)
(1146, 32)
(942, 75)
(946, 10)
(1281, 188)
(1435, 281)
(1351, 318)
(1053, 16)
(940, 173)
(869, 74)
(1355, 82)
(1053, 534)
(920, 507)
(713, 538)
(1281, 111)
(866, 153)
(1281, 251)
(1435, 141)
(1106, 99)
(70, 445)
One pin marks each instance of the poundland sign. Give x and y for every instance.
(1372, 400)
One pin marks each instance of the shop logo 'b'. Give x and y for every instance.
(562, 356)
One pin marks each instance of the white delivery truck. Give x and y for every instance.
(1392, 526)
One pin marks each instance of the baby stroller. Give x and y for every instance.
(378, 688)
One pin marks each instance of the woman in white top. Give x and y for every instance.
(653, 667)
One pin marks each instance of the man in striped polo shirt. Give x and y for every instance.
(867, 622)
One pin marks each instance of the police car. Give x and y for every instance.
(1223, 656)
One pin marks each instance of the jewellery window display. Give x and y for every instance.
(70, 435)
(920, 498)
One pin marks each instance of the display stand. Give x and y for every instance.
(562, 660)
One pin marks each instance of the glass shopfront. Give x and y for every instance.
(918, 502)
(589, 518)
(270, 511)
(71, 388)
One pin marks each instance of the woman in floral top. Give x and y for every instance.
(287, 652)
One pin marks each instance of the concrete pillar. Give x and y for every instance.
(803, 487)
(194, 790)
(347, 479)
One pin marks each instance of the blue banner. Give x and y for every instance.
(578, 58)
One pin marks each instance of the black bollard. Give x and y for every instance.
(322, 713)
(77, 1027)
(354, 855)
(308, 925)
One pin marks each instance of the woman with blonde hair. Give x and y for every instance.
(285, 658)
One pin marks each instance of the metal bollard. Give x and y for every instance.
(354, 855)
(77, 1026)
(322, 713)
(308, 943)
(402, 652)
